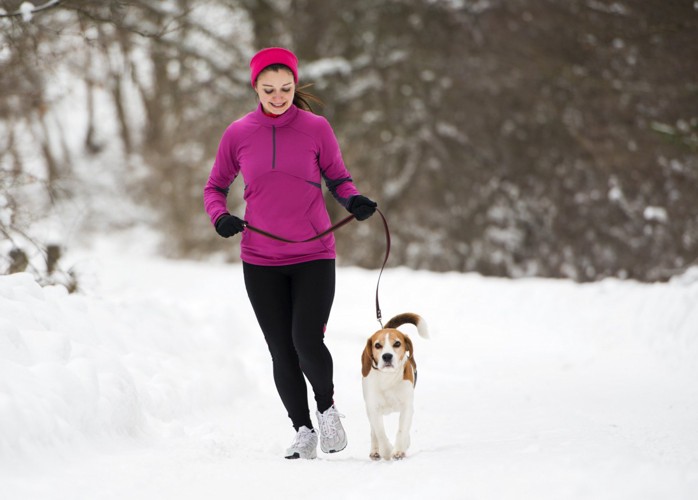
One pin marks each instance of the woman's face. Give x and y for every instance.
(275, 90)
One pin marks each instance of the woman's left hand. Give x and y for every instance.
(361, 207)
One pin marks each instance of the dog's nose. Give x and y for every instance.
(387, 357)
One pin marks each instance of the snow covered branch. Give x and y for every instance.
(28, 9)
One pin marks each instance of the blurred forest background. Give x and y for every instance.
(554, 138)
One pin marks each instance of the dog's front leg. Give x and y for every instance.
(380, 444)
(375, 454)
(402, 440)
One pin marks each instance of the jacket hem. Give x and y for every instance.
(287, 261)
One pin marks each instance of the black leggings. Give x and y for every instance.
(292, 304)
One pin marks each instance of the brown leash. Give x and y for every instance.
(379, 315)
(336, 226)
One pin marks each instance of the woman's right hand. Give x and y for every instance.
(228, 225)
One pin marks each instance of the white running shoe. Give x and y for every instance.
(304, 444)
(332, 435)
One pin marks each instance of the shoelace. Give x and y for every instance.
(328, 422)
(302, 439)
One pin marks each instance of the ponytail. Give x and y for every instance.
(302, 99)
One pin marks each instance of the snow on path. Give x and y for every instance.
(156, 383)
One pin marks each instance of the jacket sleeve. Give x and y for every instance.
(225, 169)
(335, 173)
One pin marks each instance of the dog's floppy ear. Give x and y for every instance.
(410, 349)
(367, 358)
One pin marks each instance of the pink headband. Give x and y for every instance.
(273, 55)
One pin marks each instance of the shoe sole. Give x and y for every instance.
(333, 450)
(297, 456)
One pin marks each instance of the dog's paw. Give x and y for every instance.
(375, 455)
(399, 455)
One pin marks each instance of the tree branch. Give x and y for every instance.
(23, 12)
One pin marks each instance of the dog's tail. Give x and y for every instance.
(411, 318)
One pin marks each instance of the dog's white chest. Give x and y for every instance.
(385, 393)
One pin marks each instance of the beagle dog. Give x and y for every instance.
(389, 376)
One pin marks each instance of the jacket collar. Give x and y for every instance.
(280, 121)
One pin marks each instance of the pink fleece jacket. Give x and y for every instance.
(283, 161)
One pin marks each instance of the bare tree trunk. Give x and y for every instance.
(53, 168)
(268, 21)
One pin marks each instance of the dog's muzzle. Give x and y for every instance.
(387, 359)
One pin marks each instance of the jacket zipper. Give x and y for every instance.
(273, 147)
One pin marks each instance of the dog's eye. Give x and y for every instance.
(378, 345)
(397, 344)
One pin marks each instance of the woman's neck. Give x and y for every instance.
(271, 115)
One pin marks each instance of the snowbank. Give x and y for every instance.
(74, 367)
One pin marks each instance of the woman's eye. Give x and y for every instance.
(286, 91)
(268, 92)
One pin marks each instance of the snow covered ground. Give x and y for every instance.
(155, 382)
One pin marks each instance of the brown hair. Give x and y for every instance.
(301, 98)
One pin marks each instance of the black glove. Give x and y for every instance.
(361, 207)
(228, 225)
